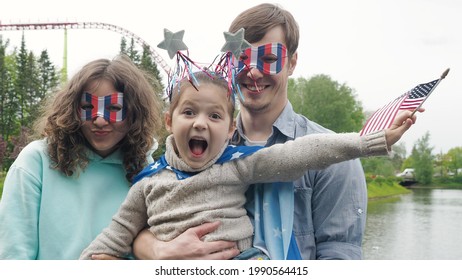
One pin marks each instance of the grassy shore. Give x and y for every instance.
(380, 187)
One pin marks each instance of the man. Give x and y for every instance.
(329, 205)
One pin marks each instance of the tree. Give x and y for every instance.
(148, 65)
(8, 100)
(386, 165)
(24, 82)
(144, 62)
(454, 157)
(4, 82)
(32, 96)
(326, 102)
(398, 156)
(48, 77)
(423, 160)
(133, 53)
(2, 152)
(378, 166)
(123, 46)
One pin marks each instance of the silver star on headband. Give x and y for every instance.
(173, 42)
(235, 42)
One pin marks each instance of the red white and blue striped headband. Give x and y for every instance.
(110, 107)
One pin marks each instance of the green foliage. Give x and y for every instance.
(326, 102)
(144, 62)
(2, 179)
(24, 81)
(454, 158)
(8, 100)
(148, 65)
(386, 165)
(334, 106)
(423, 160)
(398, 156)
(382, 166)
(48, 77)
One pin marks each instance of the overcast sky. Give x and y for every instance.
(381, 49)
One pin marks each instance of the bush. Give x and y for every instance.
(2, 178)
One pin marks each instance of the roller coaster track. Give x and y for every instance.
(88, 25)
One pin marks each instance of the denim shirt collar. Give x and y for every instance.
(284, 124)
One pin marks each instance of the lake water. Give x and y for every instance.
(423, 225)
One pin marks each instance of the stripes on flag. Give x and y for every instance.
(411, 100)
(384, 117)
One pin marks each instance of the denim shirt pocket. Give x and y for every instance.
(303, 222)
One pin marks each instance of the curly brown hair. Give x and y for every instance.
(60, 122)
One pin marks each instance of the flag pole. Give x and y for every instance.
(445, 73)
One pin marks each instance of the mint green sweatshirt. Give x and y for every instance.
(47, 215)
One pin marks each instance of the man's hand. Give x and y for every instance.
(187, 246)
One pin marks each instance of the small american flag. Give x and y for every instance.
(411, 100)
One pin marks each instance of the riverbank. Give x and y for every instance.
(380, 187)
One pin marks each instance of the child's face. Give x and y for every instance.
(200, 124)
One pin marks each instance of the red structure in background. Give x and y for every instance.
(88, 25)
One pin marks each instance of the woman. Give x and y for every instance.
(62, 190)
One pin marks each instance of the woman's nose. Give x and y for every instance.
(100, 121)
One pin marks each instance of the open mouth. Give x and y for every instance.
(197, 146)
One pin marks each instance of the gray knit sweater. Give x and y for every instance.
(169, 206)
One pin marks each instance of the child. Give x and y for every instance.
(200, 178)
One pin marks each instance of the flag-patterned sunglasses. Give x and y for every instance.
(110, 107)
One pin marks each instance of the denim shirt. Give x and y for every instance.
(330, 204)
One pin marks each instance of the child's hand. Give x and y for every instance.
(400, 125)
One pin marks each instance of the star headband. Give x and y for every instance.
(237, 55)
(185, 67)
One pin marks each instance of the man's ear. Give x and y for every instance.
(293, 63)
(168, 121)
